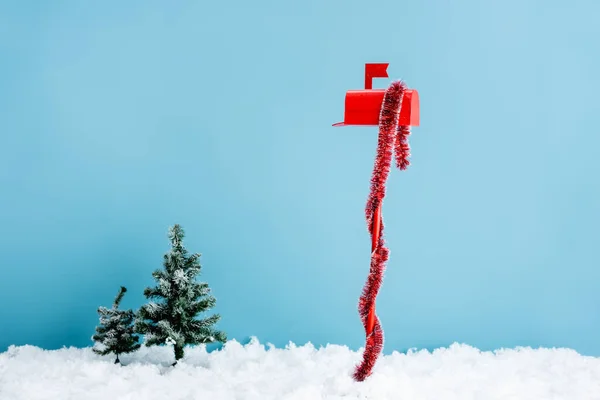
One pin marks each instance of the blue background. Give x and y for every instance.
(119, 119)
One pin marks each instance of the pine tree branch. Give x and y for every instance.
(119, 297)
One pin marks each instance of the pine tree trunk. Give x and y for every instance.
(117, 361)
(178, 353)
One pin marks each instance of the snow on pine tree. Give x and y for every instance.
(115, 334)
(170, 315)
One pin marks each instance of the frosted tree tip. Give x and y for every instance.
(176, 233)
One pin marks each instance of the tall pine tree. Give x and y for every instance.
(115, 334)
(176, 300)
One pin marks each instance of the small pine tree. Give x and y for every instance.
(173, 319)
(116, 330)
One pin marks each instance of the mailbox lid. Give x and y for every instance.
(410, 113)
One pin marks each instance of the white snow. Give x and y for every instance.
(169, 341)
(253, 372)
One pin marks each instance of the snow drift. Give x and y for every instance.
(256, 372)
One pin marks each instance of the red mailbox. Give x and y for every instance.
(362, 107)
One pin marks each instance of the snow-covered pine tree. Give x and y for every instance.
(115, 334)
(170, 315)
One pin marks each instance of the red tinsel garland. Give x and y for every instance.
(392, 137)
